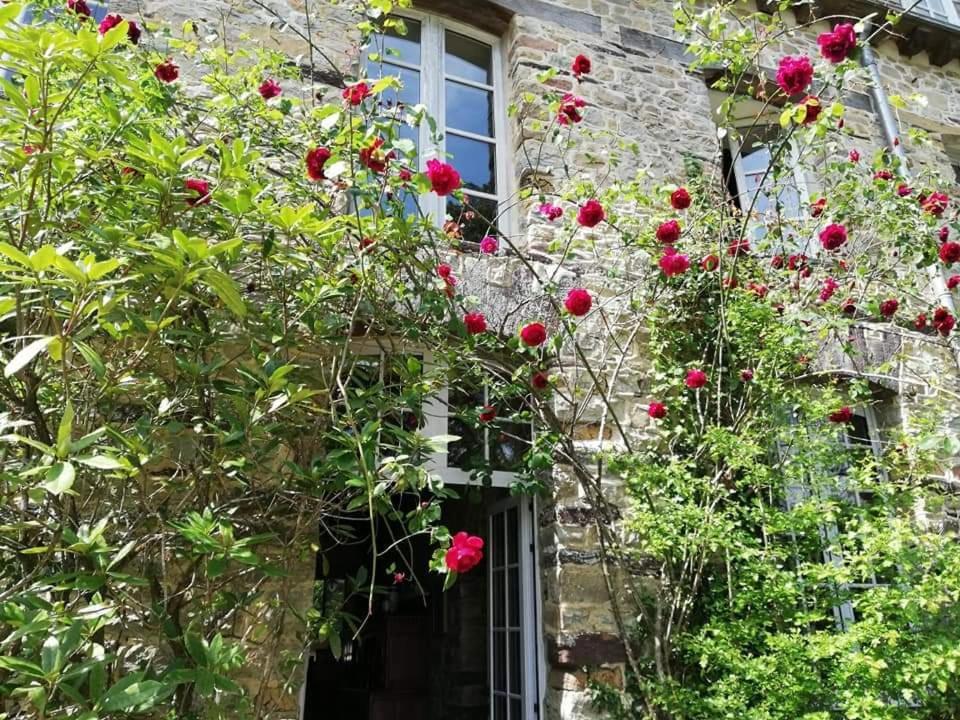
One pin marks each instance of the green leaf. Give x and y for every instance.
(16, 255)
(226, 290)
(99, 269)
(26, 354)
(64, 431)
(16, 665)
(60, 478)
(50, 655)
(131, 693)
(93, 359)
(101, 462)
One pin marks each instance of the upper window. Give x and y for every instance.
(943, 10)
(455, 73)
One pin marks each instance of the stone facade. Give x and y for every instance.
(642, 90)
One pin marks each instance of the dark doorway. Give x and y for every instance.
(421, 653)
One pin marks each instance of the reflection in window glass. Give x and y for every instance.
(479, 218)
(468, 59)
(476, 162)
(469, 108)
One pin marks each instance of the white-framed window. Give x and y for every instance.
(755, 188)
(945, 11)
(456, 72)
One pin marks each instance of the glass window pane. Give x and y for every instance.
(515, 665)
(499, 598)
(469, 108)
(499, 708)
(468, 59)
(467, 453)
(515, 710)
(499, 661)
(408, 94)
(474, 221)
(394, 46)
(476, 162)
(513, 601)
(513, 536)
(496, 541)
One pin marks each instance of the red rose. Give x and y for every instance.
(814, 106)
(883, 175)
(578, 302)
(269, 89)
(489, 245)
(580, 66)
(399, 577)
(111, 21)
(488, 413)
(833, 237)
(315, 160)
(837, 45)
(166, 71)
(405, 175)
(816, 209)
(539, 380)
(668, 232)
(444, 179)
(934, 203)
(903, 190)
(953, 281)
(794, 74)
(680, 199)
(465, 552)
(776, 262)
(476, 323)
(843, 415)
(943, 321)
(797, 262)
(673, 263)
(738, 247)
(533, 334)
(943, 233)
(591, 214)
(201, 188)
(356, 93)
(950, 252)
(888, 308)
(657, 410)
(367, 245)
(695, 379)
(569, 111)
(550, 212)
(854, 156)
(710, 262)
(730, 282)
(758, 289)
(372, 157)
(921, 322)
(79, 7)
(829, 288)
(746, 375)
(848, 306)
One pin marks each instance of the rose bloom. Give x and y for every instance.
(953, 281)
(673, 263)
(730, 282)
(776, 262)
(201, 188)
(738, 247)
(883, 175)
(943, 321)
(797, 262)
(580, 66)
(315, 160)
(680, 199)
(746, 375)
(111, 21)
(695, 379)
(488, 413)
(794, 74)
(816, 209)
(710, 262)
(550, 212)
(934, 203)
(843, 415)
(476, 323)
(372, 157)
(166, 71)
(444, 179)
(848, 306)
(489, 245)
(465, 552)
(829, 288)
(854, 156)
(814, 106)
(833, 236)
(950, 252)
(758, 289)
(921, 322)
(943, 233)
(837, 45)
(903, 190)
(356, 93)
(79, 7)
(539, 380)
(657, 410)
(569, 111)
(399, 577)
(578, 302)
(533, 334)
(269, 89)
(668, 232)
(444, 270)
(888, 308)
(591, 214)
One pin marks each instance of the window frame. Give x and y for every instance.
(950, 15)
(433, 29)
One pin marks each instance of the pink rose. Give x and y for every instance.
(794, 74)
(837, 45)
(111, 21)
(444, 179)
(466, 551)
(695, 379)
(270, 89)
(550, 212)
(489, 245)
(673, 263)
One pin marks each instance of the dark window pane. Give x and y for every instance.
(499, 661)
(515, 711)
(476, 220)
(476, 162)
(469, 108)
(513, 601)
(393, 46)
(468, 59)
(513, 536)
(515, 666)
(499, 708)
(467, 453)
(499, 598)
(408, 94)
(496, 541)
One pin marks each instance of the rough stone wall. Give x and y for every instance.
(641, 90)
